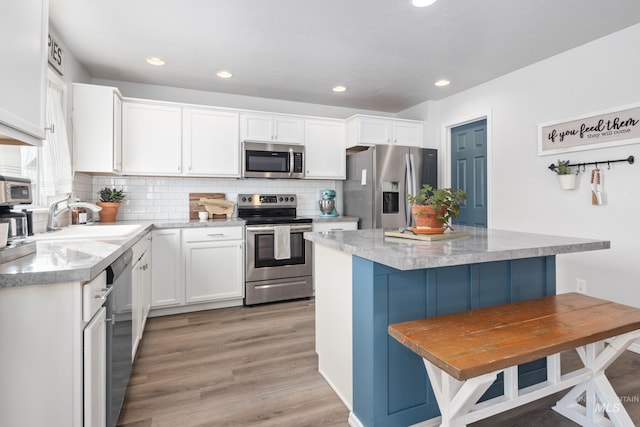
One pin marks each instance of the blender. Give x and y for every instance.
(327, 203)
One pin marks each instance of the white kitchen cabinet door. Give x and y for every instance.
(97, 129)
(95, 371)
(325, 156)
(23, 43)
(256, 127)
(168, 283)
(136, 311)
(214, 271)
(371, 130)
(407, 133)
(271, 129)
(211, 143)
(334, 226)
(288, 130)
(151, 138)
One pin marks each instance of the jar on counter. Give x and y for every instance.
(79, 216)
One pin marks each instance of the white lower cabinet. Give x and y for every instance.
(141, 289)
(167, 288)
(214, 270)
(197, 268)
(95, 370)
(53, 353)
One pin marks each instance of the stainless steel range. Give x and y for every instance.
(278, 258)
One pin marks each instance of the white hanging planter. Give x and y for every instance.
(568, 181)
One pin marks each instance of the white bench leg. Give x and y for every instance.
(456, 398)
(598, 395)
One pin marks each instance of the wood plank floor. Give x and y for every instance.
(257, 366)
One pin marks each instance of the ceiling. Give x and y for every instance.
(386, 52)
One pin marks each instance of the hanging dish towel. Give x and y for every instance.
(282, 242)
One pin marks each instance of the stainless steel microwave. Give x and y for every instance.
(264, 160)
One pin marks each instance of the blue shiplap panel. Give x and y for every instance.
(407, 301)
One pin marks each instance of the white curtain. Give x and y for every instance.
(56, 176)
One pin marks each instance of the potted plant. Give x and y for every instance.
(433, 208)
(565, 176)
(110, 199)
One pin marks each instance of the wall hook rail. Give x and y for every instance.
(631, 160)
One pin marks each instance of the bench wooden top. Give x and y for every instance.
(485, 340)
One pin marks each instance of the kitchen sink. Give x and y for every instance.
(105, 231)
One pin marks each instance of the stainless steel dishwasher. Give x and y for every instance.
(119, 334)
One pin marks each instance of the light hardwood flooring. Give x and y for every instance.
(257, 366)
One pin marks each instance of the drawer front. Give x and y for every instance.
(94, 295)
(212, 234)
(335, 226)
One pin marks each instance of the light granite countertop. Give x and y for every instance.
(482, 245)
(61, 261)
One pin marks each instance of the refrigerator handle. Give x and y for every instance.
(408, 189)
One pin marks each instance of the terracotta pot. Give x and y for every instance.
(109, 211)
(426, 216)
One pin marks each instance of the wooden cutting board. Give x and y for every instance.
(194, 208)
(427, 237)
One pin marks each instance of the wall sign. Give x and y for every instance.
(56, 55)
(610, 128)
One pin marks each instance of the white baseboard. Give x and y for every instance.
(354, 421)
(336, 391)
(189, 308)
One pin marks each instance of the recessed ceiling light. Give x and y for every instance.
(224, 74)
(442, 82)
(422, 3)
(153, 60)
(339, 88)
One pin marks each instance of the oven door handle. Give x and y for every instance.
(272, 228)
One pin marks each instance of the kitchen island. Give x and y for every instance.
(365, 281)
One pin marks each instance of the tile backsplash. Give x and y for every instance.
(167, 198)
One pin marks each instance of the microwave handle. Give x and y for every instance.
(290, 161)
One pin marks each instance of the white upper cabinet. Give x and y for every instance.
(407, 132)
(23, 43)
(210, 142)
(271, 129)
(151, 138)
(325, 142)
(97, 129)
(370, 130)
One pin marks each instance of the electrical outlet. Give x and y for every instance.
(581, 286)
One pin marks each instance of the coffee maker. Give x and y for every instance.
(14, 191)
(327, 203)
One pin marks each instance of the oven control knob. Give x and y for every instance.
(244, 199)
(249, 199)
(280, 198)
(286, 199)
(291, 199)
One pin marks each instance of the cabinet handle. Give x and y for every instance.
(106, 293)
(215, 235)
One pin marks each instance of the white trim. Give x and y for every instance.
(445, 135)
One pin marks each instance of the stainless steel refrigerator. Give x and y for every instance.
(379, 179)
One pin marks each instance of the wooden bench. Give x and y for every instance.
(464, 352)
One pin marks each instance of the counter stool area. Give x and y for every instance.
(463, 354)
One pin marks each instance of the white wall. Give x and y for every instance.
(523, 193)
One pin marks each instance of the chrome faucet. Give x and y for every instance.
(54, 211)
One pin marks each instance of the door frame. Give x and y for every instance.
(445, 134)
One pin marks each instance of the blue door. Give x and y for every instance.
(469, 171)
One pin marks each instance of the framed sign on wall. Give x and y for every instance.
(609, 128)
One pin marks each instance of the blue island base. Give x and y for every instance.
(390, 384)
